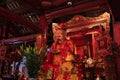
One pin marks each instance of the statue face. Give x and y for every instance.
(59, 35)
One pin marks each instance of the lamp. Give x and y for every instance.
(69, 3)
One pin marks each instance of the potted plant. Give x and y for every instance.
(34, 58)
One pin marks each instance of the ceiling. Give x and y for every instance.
(22, 17)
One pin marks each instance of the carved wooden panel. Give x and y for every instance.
(83, 30)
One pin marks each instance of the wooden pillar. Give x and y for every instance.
(93, 44)
(117, 32)
(5, 34)
(3, 31)
(118, 67)
(44, 27)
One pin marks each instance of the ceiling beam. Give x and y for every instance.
(19, 39)
(32, 5)
(76, 9)
(18, 19)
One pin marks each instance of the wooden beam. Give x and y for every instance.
(18, 19)
(19, 39)
(76, 9)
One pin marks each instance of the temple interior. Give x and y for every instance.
(59, 40)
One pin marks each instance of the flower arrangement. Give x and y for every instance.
(34, 58)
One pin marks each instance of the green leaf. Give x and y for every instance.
(34, 60)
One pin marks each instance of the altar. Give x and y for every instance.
(91, 41)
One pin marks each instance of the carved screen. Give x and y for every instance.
(87, 31)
